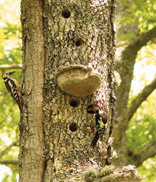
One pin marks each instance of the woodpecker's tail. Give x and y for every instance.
(93, 144)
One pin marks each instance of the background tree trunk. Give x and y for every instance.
(31, 157)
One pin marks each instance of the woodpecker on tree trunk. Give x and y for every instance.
(13, 87)
(100, 122)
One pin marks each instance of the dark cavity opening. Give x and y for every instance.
(79, 42)
(66, 13)
(74, 102)
(73, 126)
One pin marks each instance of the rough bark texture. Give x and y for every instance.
(31, 157)
(55, 138)
(69, 154)
(67, 25)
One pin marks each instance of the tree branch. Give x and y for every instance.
(142, 96)
(8, 162)
(148, 151)
(7, 149)
(132, 49)
(124, 121)
(125, 68)
(12, 66)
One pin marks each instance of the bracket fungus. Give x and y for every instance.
(78, 80)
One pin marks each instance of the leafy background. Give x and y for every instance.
(10, 53)
(142, 126)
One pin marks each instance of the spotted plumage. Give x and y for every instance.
(100, 123)
(13, 87)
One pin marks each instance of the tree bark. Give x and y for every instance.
(9, 162)
(12, 66)
(31, 156)
(69, 154)
(55, 137)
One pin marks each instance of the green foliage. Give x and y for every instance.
(12, 34)
(140, 12)
(11, 30)
(10, 53)
(143, 130)
(148, 170)
(10, 177)
(9, 118)
(142, 127)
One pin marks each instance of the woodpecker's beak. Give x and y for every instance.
(90, 109)
(12, 72)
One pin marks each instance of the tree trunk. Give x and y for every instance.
(31, 157)
(55, 137)
(69, 153)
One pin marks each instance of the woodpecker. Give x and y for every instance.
(13, 87)
(100, 122)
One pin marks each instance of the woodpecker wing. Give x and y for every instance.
(93, 144)
(11, 87)
(104, 120)
(101, 127)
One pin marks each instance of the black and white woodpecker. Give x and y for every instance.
(13, 87)
(100, 122)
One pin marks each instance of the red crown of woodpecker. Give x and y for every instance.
(9, 73)
(97, 106)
